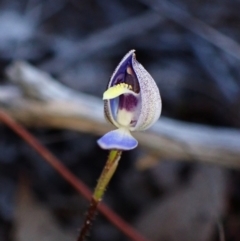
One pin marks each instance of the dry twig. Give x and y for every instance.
(195, 25)
(104, 39)
(46, 102)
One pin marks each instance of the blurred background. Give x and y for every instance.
(80, 43)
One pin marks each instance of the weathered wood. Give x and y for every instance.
(42, 101)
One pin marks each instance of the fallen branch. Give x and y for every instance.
(43, 101)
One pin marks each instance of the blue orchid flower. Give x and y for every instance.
(132, 102)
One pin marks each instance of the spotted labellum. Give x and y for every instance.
(132, 102)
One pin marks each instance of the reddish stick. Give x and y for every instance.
(69, 177)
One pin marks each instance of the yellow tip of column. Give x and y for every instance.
(116, 91)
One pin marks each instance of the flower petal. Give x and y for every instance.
(150, 97)
(119, 139)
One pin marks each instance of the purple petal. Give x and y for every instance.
(119, 139)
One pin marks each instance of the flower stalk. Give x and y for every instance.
(103, 181)
(107, 173)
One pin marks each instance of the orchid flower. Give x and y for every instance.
(132, 102)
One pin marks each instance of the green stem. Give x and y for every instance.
(107, 174)
(105, 177)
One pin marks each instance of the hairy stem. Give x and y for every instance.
(105, 177)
